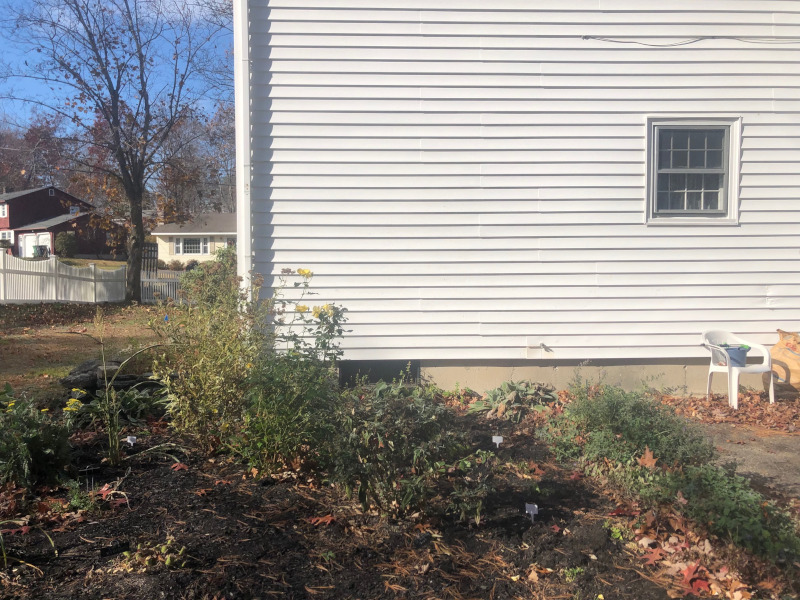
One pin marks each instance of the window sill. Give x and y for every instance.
(692, 222)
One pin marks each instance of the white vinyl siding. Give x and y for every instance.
(470, 179)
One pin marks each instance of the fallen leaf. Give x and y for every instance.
(555, 528)
(647, 459)
(700, 584)
(654, 555)
(689, 573)
(179, 467)
(105, 491)
(326, 520)
(680, 499)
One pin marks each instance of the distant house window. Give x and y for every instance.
(693, 172)
(3, 211)
(6, 235)
(51, 192)
(191, 245)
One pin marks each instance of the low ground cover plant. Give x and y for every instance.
(607, 421)
(657, 457)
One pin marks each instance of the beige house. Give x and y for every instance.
(198, 239)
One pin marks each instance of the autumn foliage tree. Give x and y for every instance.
(124, 73)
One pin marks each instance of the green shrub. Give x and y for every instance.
(213, 341)
(162, 264)
(66, 244)
(395, 441)
(33, 446)
(618, 425)
(214, 282)
(289, 411)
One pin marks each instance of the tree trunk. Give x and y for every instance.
(133, 284)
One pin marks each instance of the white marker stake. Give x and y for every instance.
(532, 510)
(497, 439)
(131, 439)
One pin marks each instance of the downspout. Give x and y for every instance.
(241, 50)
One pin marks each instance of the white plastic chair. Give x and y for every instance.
(721, 363)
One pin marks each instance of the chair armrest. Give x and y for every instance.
(720, 350)
(763, 349)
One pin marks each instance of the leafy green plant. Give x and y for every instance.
(572, 573)
(394, 437)
(511, 400)
(33, 445)
(78, 499)
(288, 412)
(472, 484)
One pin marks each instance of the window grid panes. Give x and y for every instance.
(3, 211)
(191, 246)
(690, 175)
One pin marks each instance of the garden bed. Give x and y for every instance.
(229, 535)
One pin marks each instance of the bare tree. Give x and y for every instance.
(130, 65)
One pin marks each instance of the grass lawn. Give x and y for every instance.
(40, 343)
(100, 263)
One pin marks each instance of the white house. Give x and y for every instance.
(496, 188)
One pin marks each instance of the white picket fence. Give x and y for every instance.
(24, 281)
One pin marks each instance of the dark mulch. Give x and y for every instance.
(294, 536)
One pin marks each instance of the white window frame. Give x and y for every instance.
(3, 210)
(731, 166)
(7, 234)
(180, 246)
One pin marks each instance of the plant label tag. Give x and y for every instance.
(497, 439)
(131, 439)
(532, 510)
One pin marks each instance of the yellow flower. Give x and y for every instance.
(45, 409)
(316, 311)
(305, 273)
(73, 405)
(10, 404)
(330, 309)
(301, 308)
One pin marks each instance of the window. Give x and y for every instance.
(3, 211)
(6, 235)
(693, 172)
(191, 245)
